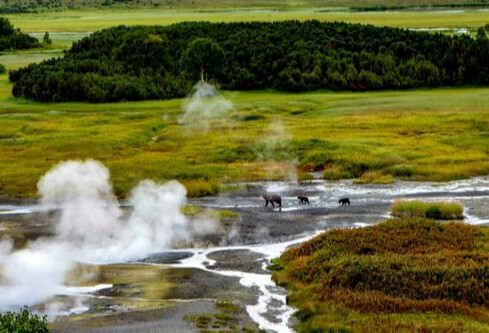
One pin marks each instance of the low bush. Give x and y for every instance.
(395, 276)
(431, 210)
(22, 322)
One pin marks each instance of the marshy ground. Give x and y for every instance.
(183, 289)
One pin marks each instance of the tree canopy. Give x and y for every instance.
(11, 38)
(158, 62)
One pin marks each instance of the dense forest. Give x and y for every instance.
(158, 62)
(12, 38)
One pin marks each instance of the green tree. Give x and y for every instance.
(23, 322)
(46, 40)
(203, 58)
(6, 28)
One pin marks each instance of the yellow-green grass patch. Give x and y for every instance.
(433, 210)
(438, 134)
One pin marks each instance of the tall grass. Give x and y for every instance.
(432, 210)
(348, 135)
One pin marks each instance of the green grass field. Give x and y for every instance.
(96, 19)
(408, 275)
(438, 134)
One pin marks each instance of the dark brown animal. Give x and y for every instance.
(271, 198)
(344, 201)
(303, 200)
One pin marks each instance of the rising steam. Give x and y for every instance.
(204, 106)
(91, 228)
(274, 143)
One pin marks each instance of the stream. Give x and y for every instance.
(244, 249)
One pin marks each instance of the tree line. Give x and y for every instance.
(160, 62)
(13, 39)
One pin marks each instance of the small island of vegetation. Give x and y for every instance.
(164, 62)
(431, 210)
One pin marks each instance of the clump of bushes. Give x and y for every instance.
(374, 177)
(390, 277)
(431, 210)
(335, 173)
(12, 39)
(23, 322)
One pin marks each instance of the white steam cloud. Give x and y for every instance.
(204, 106)
(91, 228)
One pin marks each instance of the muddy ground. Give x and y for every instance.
(232, 252)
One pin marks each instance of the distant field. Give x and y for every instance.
(438, 134)
(91, 20)
(33, 5)
(17, 59)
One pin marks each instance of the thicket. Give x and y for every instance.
(13, 39)
(160, 62)
(394, 269)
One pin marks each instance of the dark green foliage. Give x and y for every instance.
(3, 70)
(155, 62)
(22, 322)
(11, 38)
(46, 39)
(203, 57)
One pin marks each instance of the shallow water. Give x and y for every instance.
(267, 232)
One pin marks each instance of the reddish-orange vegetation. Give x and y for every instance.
(401, 270)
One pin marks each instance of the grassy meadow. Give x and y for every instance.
(438, 134)
(374, 137)
(406, 275)
(89, 20)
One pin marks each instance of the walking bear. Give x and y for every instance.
(271, 198)
(344, 201)
(303, 200)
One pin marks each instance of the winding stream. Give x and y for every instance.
(267, 232)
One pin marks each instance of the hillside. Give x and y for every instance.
(163, 62)
(398, 276)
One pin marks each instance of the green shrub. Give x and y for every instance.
(374, 177)
(402, 171)
(22, 322)
(336, 173)
(431, 210)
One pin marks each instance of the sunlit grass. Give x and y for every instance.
(434, 210)
(96, 19)
(16, 59)
(439, 134)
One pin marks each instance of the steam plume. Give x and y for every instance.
(204, 106)
(91, 228)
